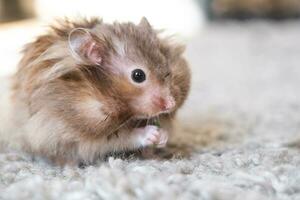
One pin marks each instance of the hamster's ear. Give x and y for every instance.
(86, 47)
(144, 23)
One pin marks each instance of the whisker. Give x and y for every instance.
(138, 124)
(158, 119)
(126, 126)
(122, 124)
(147, 121)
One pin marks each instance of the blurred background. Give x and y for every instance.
(22, 20)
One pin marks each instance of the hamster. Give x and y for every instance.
(87, 88)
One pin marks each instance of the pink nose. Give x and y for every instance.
(165, 103)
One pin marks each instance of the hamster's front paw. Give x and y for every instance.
(152, 135)
(163, 139)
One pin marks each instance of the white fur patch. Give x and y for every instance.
(91, 108)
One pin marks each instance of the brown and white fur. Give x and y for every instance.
(73, 99)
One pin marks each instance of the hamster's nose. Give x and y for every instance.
(166, 103)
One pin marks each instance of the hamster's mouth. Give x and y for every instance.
(147, 117)
(145, 121)
(156, 115)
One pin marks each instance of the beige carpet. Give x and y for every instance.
(236, 136)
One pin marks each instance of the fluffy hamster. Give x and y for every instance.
(87, 88)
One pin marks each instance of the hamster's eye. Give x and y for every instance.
(138, 75)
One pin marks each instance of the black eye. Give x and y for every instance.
(138, 75)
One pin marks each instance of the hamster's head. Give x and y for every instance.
(130, 65)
